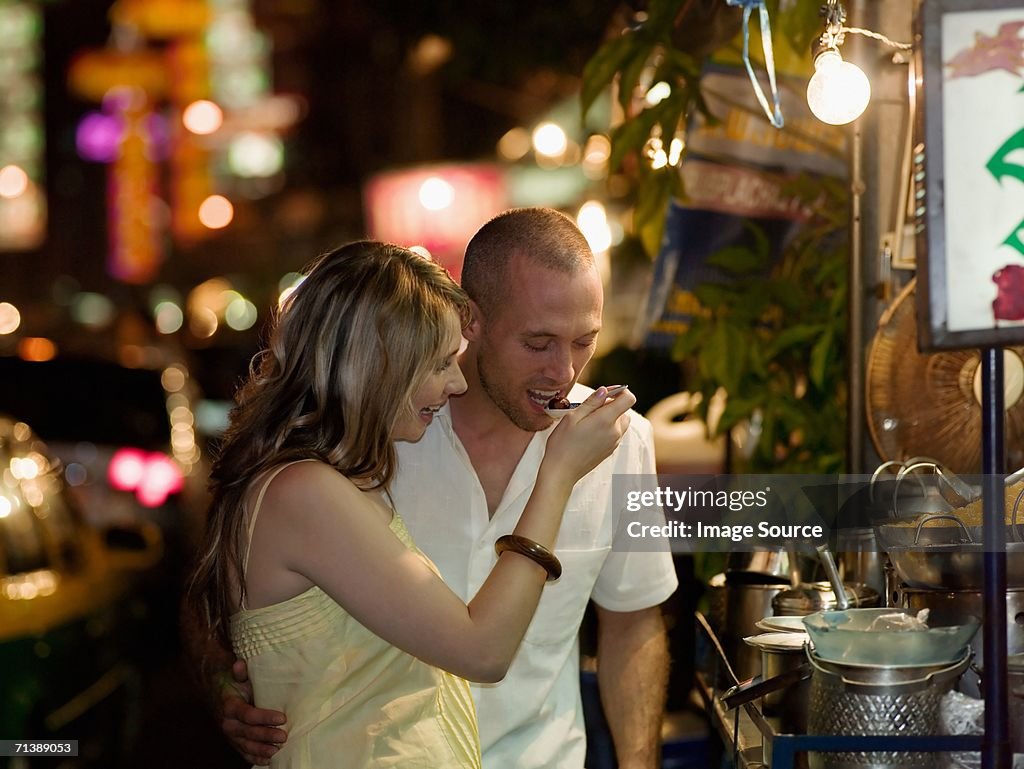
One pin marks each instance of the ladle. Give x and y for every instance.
(829, 564)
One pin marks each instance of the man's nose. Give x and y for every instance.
(559, 366)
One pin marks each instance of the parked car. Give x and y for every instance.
(71, 611)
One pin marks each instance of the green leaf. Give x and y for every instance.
(792, 336)
(689, 341)
(738, 260)
(652, 206)
(714, 295)
(631, 135)
(820, 359)
(676, 63)
(759, 362)
(837, 307)
(791, 416)
(762, 246)
(630, 71)
(670, 112)
(735, 411)
(788, 294)
(600, 70)
(652, 230)
(726, 353)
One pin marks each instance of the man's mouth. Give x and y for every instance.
(543, 397)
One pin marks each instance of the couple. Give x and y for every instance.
(311, 573)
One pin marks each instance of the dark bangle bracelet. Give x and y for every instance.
(535, 551)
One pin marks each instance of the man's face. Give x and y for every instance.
(536, 340)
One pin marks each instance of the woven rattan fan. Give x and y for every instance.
(930, 404)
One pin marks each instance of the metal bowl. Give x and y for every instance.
(953, 567)
(920, 531)
(852, 637)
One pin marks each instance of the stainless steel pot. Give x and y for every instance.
(953, 567)
(860, 558)
(876, 700)
(949, 607)
(745, 606)
(818, 596)
(790, 702)
(767, 566)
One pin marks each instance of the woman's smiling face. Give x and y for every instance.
(443, 380)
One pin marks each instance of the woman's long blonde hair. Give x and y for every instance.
(346, 352)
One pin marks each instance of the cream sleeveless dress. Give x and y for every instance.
(352, 700)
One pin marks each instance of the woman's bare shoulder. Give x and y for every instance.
(309, 488)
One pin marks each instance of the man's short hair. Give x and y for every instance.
(545, 237)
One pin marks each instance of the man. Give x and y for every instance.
(537, 302)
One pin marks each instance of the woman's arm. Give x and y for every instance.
(318, 524)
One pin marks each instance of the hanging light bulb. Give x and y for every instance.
(838, 91)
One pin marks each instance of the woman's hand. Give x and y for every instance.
(588, 434)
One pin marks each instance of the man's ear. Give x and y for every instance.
(474, 329)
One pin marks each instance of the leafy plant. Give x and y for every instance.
(772, 336)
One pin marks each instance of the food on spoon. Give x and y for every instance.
(559, 406)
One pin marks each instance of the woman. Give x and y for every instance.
(344, 624)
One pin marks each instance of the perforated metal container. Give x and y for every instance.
(862, 700)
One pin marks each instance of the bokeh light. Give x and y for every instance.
(202, 117)
(658, 93)
(168, 317)
(436, 194)
(288, 283)
(13, 181)
(514, 144)
(254, 155)
(550, 140)
(36, 348)
(10, 318)
(203, 323)
(595, 155)
(98, 137)
(593, 223)
(91, 309)
(216, 212)
(240, 314)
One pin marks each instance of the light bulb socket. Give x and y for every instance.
(832, 36)
(822, 45)
(819, 46)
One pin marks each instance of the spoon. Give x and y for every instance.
(564, 406)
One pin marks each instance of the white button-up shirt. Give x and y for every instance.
(532, 718)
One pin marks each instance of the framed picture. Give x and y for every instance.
(969, 173)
